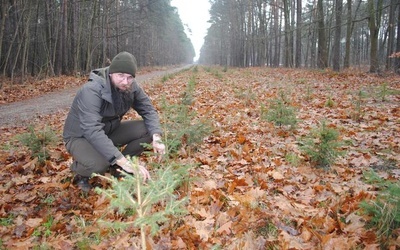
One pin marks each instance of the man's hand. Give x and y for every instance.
(157, 144)
(127, 167)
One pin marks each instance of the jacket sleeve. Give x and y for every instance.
(89, 105)
(143, 106)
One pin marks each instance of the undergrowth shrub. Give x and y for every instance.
(292, 158)
(217, 74)
(322, 146)
(309, 93)
(246, 94)
(182, 128)
(384, 91)
(329, 102)
(153, 202)
(384, 211)
(280, 112)
(188, 95)
(167, 77)
(38, 142)
(358, 104)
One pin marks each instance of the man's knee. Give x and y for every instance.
(100, 166)
(89, 167)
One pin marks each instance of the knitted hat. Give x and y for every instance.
(124, 62)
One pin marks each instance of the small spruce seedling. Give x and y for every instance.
(133, 194)
(322, 146)
(38, 142)
(280, 112)
(384, 210)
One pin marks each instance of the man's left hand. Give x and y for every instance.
(157, 144)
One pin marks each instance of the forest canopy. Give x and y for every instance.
(304, 33)
(69, 36)
(48, 38)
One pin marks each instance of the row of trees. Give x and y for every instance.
(42, 37)
(295, 33)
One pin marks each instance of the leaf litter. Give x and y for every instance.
(245, 193)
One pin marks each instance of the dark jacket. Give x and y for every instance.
(93, 117)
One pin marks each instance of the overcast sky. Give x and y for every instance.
(194, 14)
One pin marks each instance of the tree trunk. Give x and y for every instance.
(336, 45)
(26, 41)
(374, 21)
(349, 26)
(276, 33)
(72, 33)
(262, 43)
(117, 28)
(13, 41)
(64, 39)
(322, 46)
(78, 37)
(89, 42)
(397, 60)
(57, 46)
(298, 33)
(49, 38)
(4, 15)
(105, 34)
(311, 56)
(391, 33)
(287, 45)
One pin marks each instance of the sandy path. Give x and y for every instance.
(20, 113)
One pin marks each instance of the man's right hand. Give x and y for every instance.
(127, 167)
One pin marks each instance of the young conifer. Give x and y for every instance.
(132, 194)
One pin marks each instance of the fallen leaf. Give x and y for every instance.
(34, 222)
(225, 228)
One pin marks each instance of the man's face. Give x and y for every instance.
(122, 81)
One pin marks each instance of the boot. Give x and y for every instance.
(82, 182)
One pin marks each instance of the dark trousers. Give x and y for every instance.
(88, 161)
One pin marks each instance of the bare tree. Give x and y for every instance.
(298, 33)
(374, 23)
(65, 37)
(25, 42)
(336, 45)
(4, 7)
(349, 29)
(64, 46)
(276, 33)
(322, 45)
(288, 56)
(18, 20)
(397, 60)
(391, 33)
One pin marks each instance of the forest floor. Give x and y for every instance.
(253, 187)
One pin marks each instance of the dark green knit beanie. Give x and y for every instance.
(124, 62)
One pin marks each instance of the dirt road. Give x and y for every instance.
(20, 113)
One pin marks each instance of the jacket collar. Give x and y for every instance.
(101, 76)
